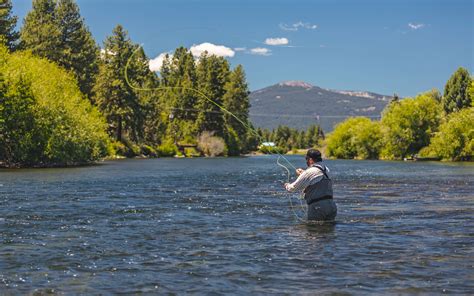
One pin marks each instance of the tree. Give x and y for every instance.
(8, 24)
(408, 125)
(236, 101)
(456, 94)
(41, 32)
(356, 137)
(79, 51)
(212, 73)
(56, 30)
(455, 139)
(44, 118)
(179, 75)
(471, 91)
(114, 97)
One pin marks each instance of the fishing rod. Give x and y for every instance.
(245, 124)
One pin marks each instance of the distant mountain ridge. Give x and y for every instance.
(299, 104)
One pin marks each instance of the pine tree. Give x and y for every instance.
(56, 30)
(212, 73)
(7, 24)
(456, 94)
(114, 97)
(80, 52)
(180, 74)
(41, 32)
(236, 101)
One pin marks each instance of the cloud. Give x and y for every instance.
(414, 26)
(261, 51)
(297, 26)
(240, 49)
(156, 63)
(276, 41)
(218, 50)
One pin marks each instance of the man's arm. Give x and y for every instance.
(301, 183)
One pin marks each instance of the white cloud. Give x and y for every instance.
(414, 26)
(276, 41)
(103, 52)
(261, 51)
(297, 26)
(240, 49)
(156, 63)
(218, 50)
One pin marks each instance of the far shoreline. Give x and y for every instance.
(3, 166)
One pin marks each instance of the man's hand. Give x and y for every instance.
(286, 185)
(299, 171)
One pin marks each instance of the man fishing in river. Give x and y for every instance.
(317, 188)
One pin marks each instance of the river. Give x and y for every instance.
(225, 225)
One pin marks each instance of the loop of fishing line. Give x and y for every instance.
(245, 124)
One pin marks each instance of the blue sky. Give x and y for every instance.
(383, 46)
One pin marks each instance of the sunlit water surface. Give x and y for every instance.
(225, 225)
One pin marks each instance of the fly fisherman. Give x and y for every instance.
(317, 188)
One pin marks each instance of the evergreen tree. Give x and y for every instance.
(79, 51)
(456, 94)
(56, 30)
(7, 24)
(114, 97)
(212, 73)
(179, 73)
(41, 32)
(236, 101)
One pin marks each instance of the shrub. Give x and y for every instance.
(210, 145)
(167, 149)
(45, 119)
(356, 137)
(148, 151)
(408, 125)
(455, 139)
(272, 150)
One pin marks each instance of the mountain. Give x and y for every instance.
(299, 104)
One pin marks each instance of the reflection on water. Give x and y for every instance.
(226, 225)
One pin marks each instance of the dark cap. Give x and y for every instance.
(314, 154)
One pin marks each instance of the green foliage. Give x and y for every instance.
(232, 142)
(289, 138)
(147, 150)
(167, 149)
(356, 137)
(471, 91)
(456, 94)
(56, 30)
(455, 139)
(7, 25)
(236, 101)
(272, 150)
(45, 119)
(407, 125)
(122, 105)
(212, 73)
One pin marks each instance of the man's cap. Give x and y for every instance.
(314, 154)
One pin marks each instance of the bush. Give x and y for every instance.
(191, 152)
(408, 125)
(455, 139)
(210, 145)
(45, 119)
(167, 149)
(148, 151)
(356, 137)
(272, 150)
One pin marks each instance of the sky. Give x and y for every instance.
(383, 46)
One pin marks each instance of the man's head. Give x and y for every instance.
(313, 156)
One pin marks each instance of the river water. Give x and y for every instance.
(225, 225)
